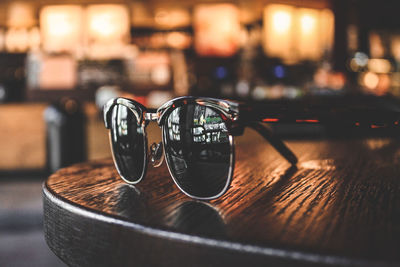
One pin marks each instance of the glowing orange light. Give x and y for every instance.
(327, 28)
(308, 38)
(376, 46)
(378, 65)
(374, 126)
(292, 33)
(172, 17)
(61, 27)
(308, 120)
(107, 30)
(277, 34)
(282, 21)
(16, 40)
(307, 23)
(107, 21)
(20, 14)
(270, 120)
(371, 80)
(217, 29)
(178, 40)
(395, 47)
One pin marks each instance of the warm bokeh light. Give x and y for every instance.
(57, 72)
(2, 39)
(172, 18)
(108, 29)
(34, 38)
(308, 38)
(327, 29)
(376, 47)
(178, 40)
(395, 47)
(217, 29)
(102, 25)
(17, 40)
(321, 77)
(250, 11)
(370, 80)
(337, 80)
(160, 74)
(308, 24)
(378, 65)
(21, 15)
(277, 37)
(141, 15)
(293, 34)
(61, 27)
(282, 21)
(152, 68)
(108, 23)
(384, 84)
(377, 84)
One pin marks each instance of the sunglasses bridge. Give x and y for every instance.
(156, 149)
(151, 116)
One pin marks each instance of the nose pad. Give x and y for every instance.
(156, 154)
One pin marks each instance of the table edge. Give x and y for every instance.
(301, 257)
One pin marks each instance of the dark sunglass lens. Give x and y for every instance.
(198, 150)
(128, 143)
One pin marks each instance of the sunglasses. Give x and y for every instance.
(197, 141)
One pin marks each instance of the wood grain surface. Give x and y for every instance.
(340, 206)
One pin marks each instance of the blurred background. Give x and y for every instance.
(60, 61)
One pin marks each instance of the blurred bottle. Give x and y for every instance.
(65, 134)
(12, 77)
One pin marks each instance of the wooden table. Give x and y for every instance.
(340, 206)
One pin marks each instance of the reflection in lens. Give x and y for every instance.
(198, 150)
(128, 143)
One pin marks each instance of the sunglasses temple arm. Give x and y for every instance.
(277, 143)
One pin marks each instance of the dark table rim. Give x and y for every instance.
(270, 252)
